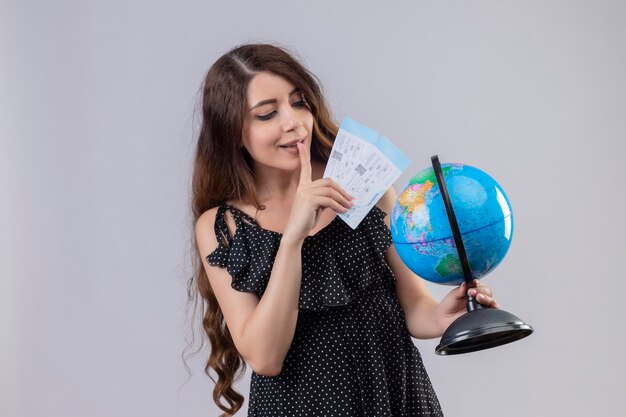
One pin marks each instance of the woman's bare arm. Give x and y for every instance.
(419, 306)
(262, 330)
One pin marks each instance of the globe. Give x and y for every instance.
(421, 231)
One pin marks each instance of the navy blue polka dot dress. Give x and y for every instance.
(351, 354)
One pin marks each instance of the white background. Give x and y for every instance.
(97, 132)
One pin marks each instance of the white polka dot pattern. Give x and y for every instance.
(351, 354)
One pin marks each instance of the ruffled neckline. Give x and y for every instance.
(336, 268)
(250, 221)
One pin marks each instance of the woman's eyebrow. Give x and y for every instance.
(273, 100)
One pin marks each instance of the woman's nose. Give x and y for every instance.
(289, 119)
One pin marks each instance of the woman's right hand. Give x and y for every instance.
(312, 197)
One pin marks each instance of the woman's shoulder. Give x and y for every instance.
(206, 218)
(204, 228)
(215, 231)
(214, 213)
(212, 223)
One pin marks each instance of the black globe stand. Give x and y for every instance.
(480, 328)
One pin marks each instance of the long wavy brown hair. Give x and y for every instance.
(222, 171)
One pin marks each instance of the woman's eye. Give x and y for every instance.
(266, 116)
(301, 103)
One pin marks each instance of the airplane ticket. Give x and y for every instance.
(365, 164)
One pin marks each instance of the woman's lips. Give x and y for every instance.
(292, 144)
(291, 147)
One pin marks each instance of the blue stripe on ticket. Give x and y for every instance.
(359, 130)
(384, 145)
(394, 154)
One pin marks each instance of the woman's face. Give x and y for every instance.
(277, 116)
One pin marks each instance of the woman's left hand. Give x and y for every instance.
(453, 304)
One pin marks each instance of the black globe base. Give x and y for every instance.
(482, 328)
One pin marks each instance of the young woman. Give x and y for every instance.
(322, 313)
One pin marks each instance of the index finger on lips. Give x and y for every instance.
(305, 163)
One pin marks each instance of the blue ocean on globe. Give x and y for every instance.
(421, 231)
